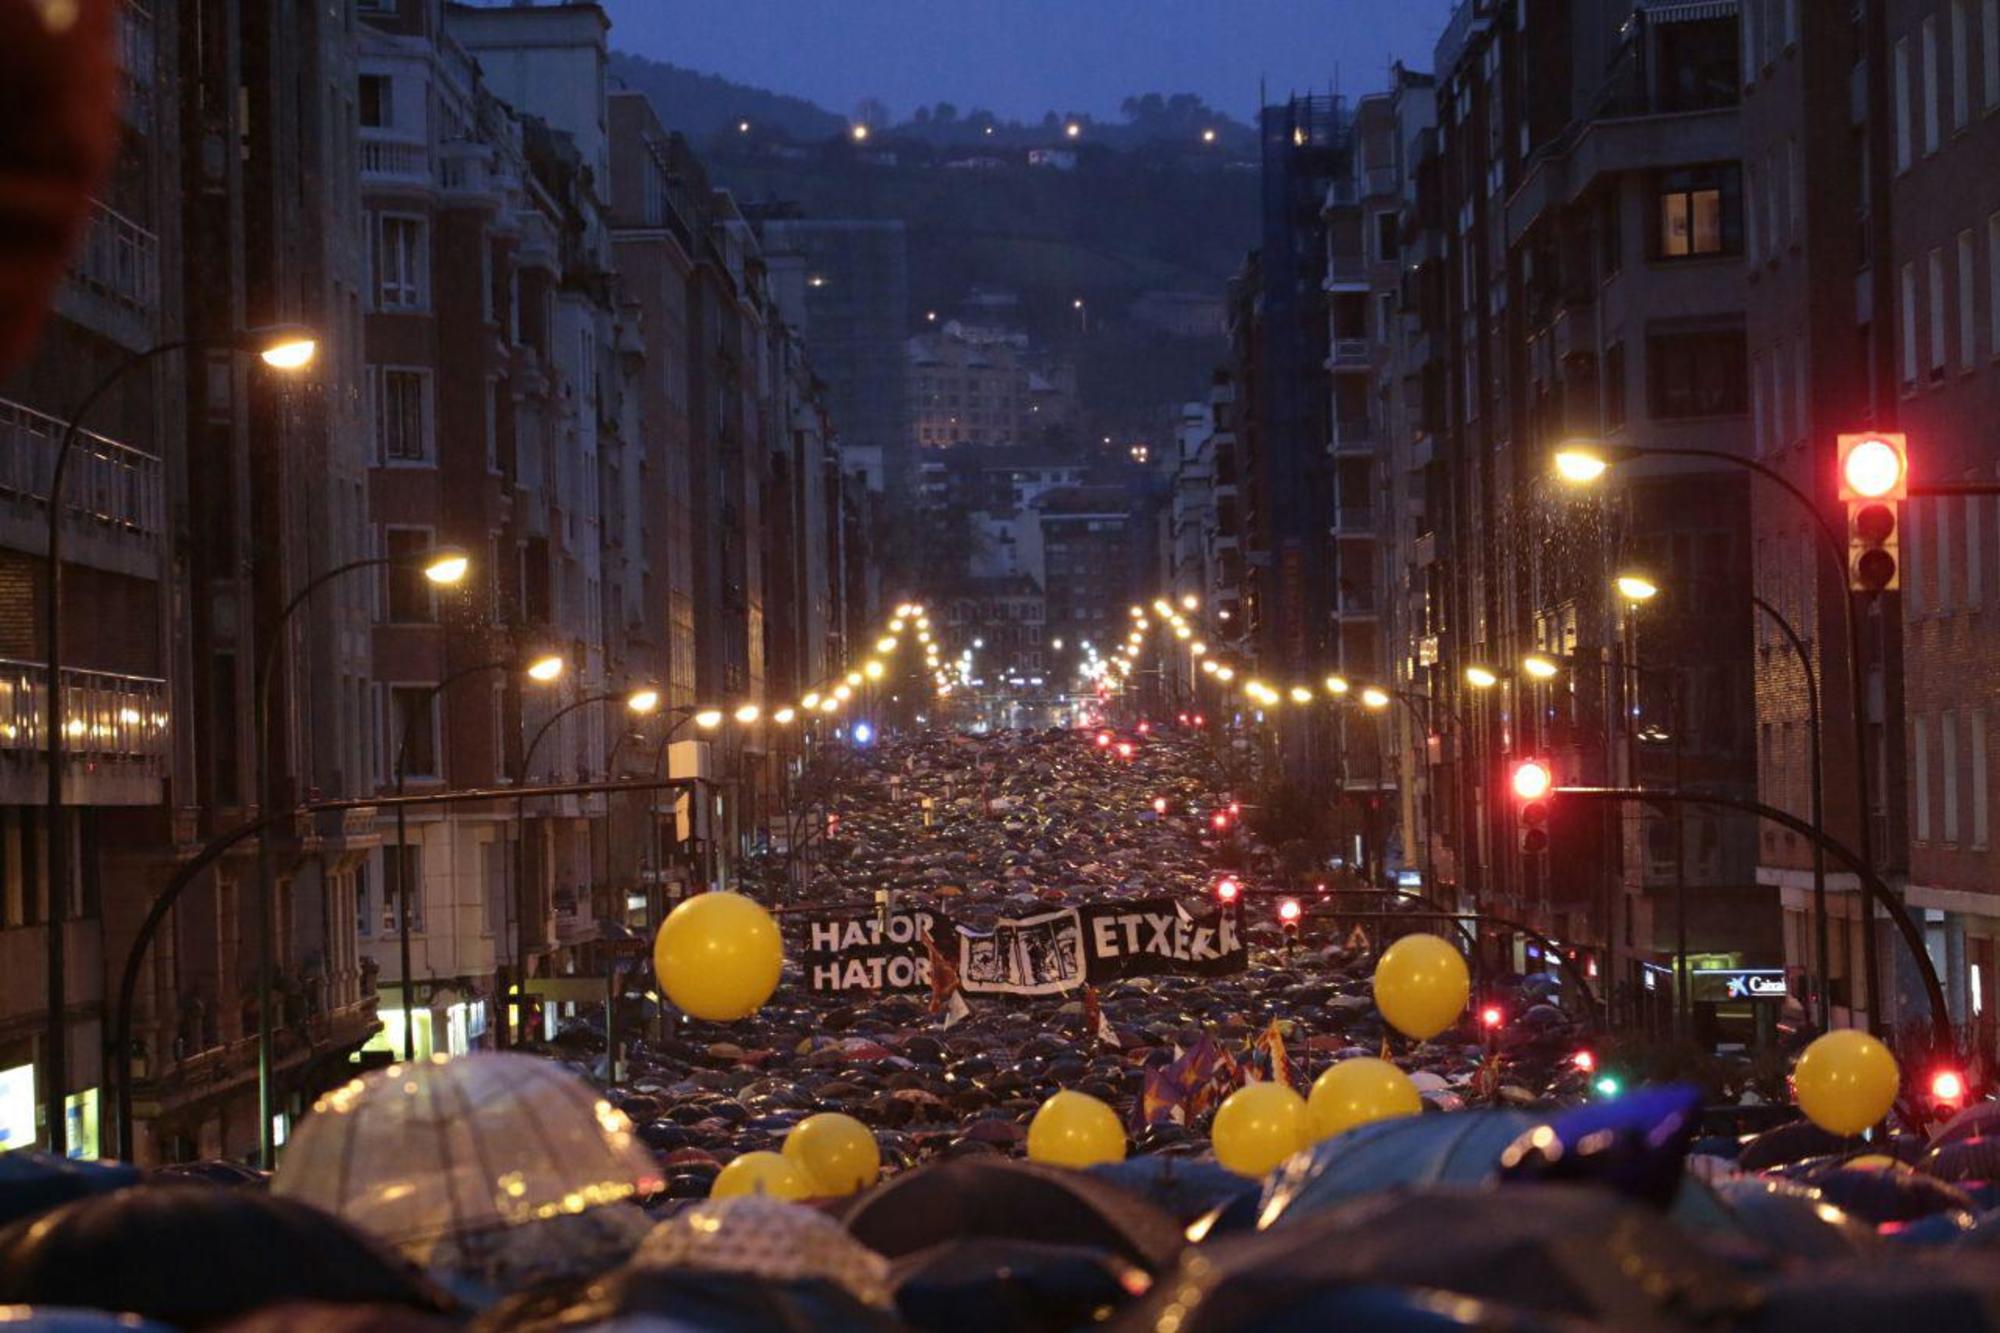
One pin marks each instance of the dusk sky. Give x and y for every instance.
(1020, 58)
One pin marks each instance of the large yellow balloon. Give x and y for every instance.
(1258, 1126)
(1075, 1129)
(765, 1173)
(718, 956)
(837, 1153)
(1846, 1081)
(1421, 985)
(1360, 1092)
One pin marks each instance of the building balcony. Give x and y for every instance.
(1351, 354)
(136, 73)
(114, 280)
(465, 174)
(1353, 521)
(117, 735)
(1345, 273)
(116, 495)
(386, 161)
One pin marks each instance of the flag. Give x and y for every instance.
(1487, 1081)
(1357, 939)
(946, 997)
(1205, 1075)
(1094, 1021)
(1268, 1061)
(1160, 1100)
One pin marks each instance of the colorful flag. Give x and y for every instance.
(1269, 1062)
(1160, 1100)
(1205, 1075)
(946, 998)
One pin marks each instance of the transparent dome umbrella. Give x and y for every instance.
(435, 1156)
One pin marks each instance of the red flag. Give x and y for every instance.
(1094, 1022)
(1271, 1061)
(946, 997)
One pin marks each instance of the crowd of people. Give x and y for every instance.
(1010, 946)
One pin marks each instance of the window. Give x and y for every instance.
(378, 105)
(1901, 91)
(1975, 575)
(1697, 374)
(402, 418)
(414, 709)
(1909, 318)
(1941, 544)
(1614, 386)
(1975, 727)
(1778, 395)
(402, 263)
(1802, 387)
(1914, 515)
(1968, 337)
(364, 903)
(1385, 237)
(1961, 57)
(411, 598)
(1929, 91)
(1920, 772)
(1948, 761)
(1989, 50)
(1934, 267)
(1754, 243)
(1700, 212)
(402, 872)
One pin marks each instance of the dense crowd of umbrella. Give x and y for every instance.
(525, 1191)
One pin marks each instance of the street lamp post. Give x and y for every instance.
(1583, 465)
(284, 347)
(637, 701)
(542, 670)
(444, 566)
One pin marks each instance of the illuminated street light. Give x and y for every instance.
(708, 719)
(1637, 588)
(747, 714)
(447, 565)
(642, 700)
(886, 644)
(860, 133)
(842, 693)
(1579, 466)
(1375, 698)
(1481, 678)
(287, 347)
(1190, 602)
(783, 717)
(1541, 668)
(873, 670)
(1336, 685)
(1301, 695)
(811, 701)
(853, 678)
(1225, 674)
(545, 669)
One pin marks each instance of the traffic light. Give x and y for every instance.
(1584, 1062)
(1491, 1016)
(1288, 921)
(1874, 482)
(1948, 1088)
(1532, 782)
(1226, 890)
(1103, 740)
(1159, 805)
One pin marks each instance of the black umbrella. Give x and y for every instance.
(1461, 1149)
(986, 1285)
(1909, 1289)
(689, 1299)
(1789, 1143)
(1978, 1119)
(1186, 1189)
(1878, 1194)
(34, 1182)
(972, 1196)
(197, 1256)
(1794, 1220)
(1973, 1159)
(213, 1173)
(1556, 1252)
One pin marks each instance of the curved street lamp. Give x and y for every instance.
(286, 347)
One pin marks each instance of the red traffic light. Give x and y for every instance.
(1103, 740)
(1184, 719)
(1947, 1085)
(1226, 889)
(1200, 721)
(1221, 819)
(1124, 749)
(1874, 467)
(1532, 780)
(1145, 727)
(1288, 911)
(1491, 1016)
(1159, 805)
(1585, 1061)
(1235, 807)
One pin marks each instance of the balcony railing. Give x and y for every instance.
(403, 160)
(107, 717)
(119, 261)
(112, 489)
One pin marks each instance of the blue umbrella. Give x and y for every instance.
(1461, 1149)
(34, 1182)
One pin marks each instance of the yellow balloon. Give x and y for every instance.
(1258, 1126)
(718, 956)
(1075, 1129)
(765, 1173)
(837, 1153)
(1421, 985)
(1360, 1092)
(1846, 1081)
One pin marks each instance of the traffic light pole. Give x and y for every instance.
(1874, 891)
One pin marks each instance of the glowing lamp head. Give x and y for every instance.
(873, 670)
(748, 713)
(1225, 674)
(1190, 602)
(642, 700)
(863, 733)
(1532, 780)
(1481, 678)
(1336, 685)
(1872, 469)
(784, 717)
(1637, 588)
(1579, 466)
(1375, 698)
(1539, 668)
(1301, 695)
(446, 565)
(545, 669)
(708, 719)
(829, 705)
(886, 644)
(1288, 911)
(810, 702)
(842, 693)
(283, 346)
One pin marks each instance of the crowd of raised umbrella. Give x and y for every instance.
(1315, 1128)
